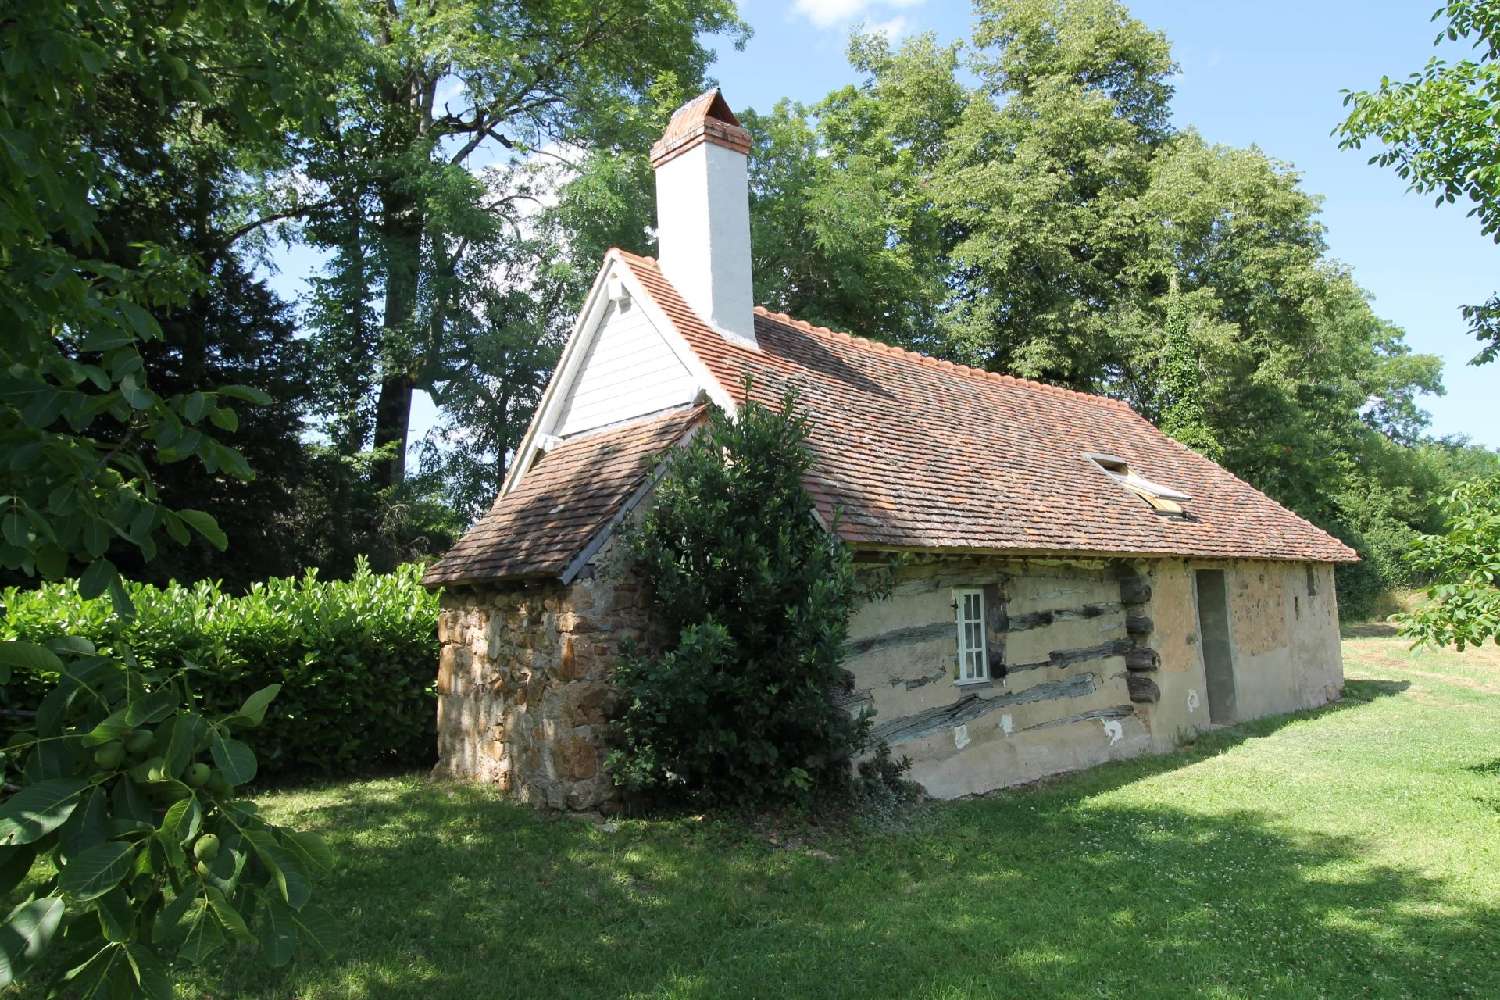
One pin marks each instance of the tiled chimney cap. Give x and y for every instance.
(706, 118)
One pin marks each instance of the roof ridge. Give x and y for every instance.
(915, 356)
(927, 359)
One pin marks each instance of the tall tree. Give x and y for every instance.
(1024, 204)
(515, 303)
(844, 230)
(429, 88)
(1439, 130)
(1073, 101)
(98, 99)
(182, 181)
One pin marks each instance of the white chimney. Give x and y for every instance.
(703, 214)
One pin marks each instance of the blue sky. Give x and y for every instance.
(1269, 73)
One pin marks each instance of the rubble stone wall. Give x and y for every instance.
(1090, 660)
(523, 684)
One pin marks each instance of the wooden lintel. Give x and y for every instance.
(974, 706)
(908, 636)
(1068, 657)
(1135, 589)
(1143, 689)
(1040, 619)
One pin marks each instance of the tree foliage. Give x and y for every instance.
(423, 94)
(1463, 606)
(79, 416)
(735, 698)
(1438, 132)
(138, 850)
(1023, 203)
(129, 849)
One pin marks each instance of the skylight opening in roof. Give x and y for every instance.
(1162, 499)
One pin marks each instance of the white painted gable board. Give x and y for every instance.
(629, 371)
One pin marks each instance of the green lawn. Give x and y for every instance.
(1350, 852)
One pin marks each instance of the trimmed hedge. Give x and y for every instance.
(357, 659)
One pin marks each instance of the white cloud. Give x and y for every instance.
(826, 13)
(831, 13)
(892, 29)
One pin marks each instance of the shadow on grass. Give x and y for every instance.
(1367, 690)
(1369, 630)
(1054, 891)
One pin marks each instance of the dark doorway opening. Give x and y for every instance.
(1213, 627)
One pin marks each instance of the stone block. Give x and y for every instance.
(536, 689)
(576, 759)
(570, 665)
(581, 598)
(587, 703)
(584, 796)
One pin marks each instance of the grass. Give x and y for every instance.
(1350, 852)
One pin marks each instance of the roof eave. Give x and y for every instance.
(1081, 553)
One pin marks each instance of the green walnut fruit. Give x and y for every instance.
(218, 784)
(139, 742)
(111, 755)
(202, 868)
(207, 847)
(197, 775)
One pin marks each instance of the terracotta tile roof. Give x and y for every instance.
(915, 452)
(537, 528)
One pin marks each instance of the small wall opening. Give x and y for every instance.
(1213, 626)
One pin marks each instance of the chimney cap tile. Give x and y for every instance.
(706, 118)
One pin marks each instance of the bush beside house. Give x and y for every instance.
(736, 700)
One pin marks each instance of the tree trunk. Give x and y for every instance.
(393, 426)
(401, 225)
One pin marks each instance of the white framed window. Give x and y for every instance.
(973, 663)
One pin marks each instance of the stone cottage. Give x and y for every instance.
(1076, 587)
